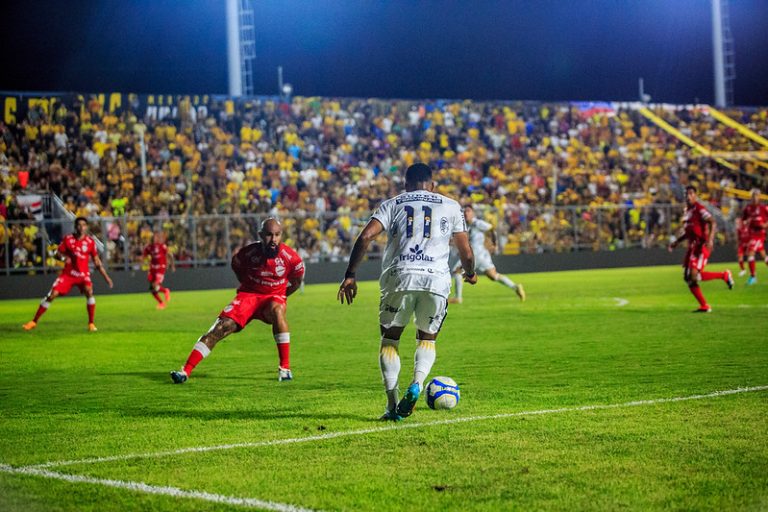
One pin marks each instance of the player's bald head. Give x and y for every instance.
(271, 233)
(270, 225)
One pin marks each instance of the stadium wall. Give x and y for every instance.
(34, 286)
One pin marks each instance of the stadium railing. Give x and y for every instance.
(210, 240)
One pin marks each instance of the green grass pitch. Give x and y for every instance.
(587, 338)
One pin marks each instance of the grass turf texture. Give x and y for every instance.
(69, 394)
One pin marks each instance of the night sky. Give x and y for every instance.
(482, 49)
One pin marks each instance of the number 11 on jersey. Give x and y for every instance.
(427, 221)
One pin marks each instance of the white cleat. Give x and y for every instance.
(284, 374)
(742, 273)
(520, 291)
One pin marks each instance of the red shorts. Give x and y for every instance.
(65, 282)
(696, 258)
(156, 275)
(249, 306)
(756, 245)
(742, 250)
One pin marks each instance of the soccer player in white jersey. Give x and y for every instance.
(415, 277)
(483, 262)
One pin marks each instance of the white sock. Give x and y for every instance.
(500, 278)
(389, 363)
(458, 283)
(202, 348)
(423, 360)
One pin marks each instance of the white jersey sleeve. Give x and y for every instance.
(477, 232)
(419, 227)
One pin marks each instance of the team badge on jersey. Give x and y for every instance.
(279, 267)
(444, 225)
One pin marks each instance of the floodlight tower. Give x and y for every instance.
(723, 54)
(241, 47)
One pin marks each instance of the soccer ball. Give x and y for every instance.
(442, 393)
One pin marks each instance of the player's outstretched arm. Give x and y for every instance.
(461, 240)
(102, 270)
(676, 239)
(348, 287)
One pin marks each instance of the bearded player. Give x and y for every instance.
(755, 217)
(159, 257)
(699, 229)
(268, 271)
(77, 249)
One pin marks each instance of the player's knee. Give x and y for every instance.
(276, 310)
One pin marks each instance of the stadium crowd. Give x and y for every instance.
(323, 164)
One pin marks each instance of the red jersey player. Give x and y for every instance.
(742, 244)
(699, 229)
(159, 257)
(76, 249)
(269, 272)
(755, 217)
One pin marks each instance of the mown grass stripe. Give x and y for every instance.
(399, 426)
(158, 490)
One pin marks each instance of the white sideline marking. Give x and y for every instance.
(154, 489)
(621, 302)
(348, 433)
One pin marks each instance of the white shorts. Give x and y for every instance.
(483, 261)
(429, 309)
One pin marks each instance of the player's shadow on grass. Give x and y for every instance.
(238, 414)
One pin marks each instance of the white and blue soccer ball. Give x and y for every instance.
(442, 393)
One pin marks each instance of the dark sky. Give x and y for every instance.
(480, 49)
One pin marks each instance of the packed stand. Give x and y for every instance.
(324, 164)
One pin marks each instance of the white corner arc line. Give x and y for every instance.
(620, 302)
(154, 489)
(349, 433)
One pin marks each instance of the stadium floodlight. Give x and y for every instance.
(722, 53)
(241, 46)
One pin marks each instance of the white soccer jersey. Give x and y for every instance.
(419, 227)
(477, 230)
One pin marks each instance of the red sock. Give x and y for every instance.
(283, 342)
(198, 353)
(708, 276)
(91, 306)
(741, 264)
(752, 268)
(41, 309)
(157, 297)
(696, 291)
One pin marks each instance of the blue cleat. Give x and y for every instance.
(179, 377)
(390, 416)
(408, 402)
(752, 280)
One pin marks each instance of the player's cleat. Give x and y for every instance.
(167, 294)
(752, 280)
(742, 273)
(520, 291)
(408, 402)
(729, 279)
(390, 416)
(284, 374)
(92, 327)
(705, 309)
(179, 377)
(161, 305)
(454, 300)
(29, 325)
